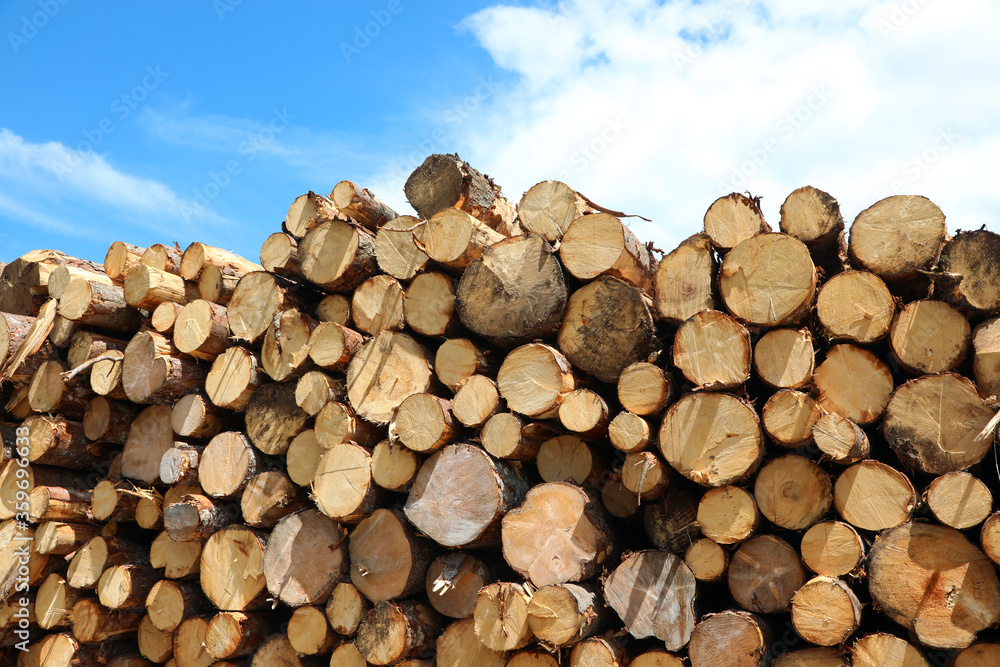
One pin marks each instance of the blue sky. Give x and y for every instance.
(202, 120)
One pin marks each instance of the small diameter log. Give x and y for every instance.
(445, 181)
(429, 304)
(534, 379)
(989, 537)
(202, 330)
(113, 501)
(600, 244)
(507, 436)
(361, 205)
(273, 419)
(789, 417)
(460, 495)
(154, 644)
(645, 475)
(385, 371)
(58, 538)
(564, 614)
(840, 439)
(178, 560)
(986, 359)
(218, 285)
(476, 400)
(394, 466)
(306, 556)
(233, 379)
(149, 511)
(456, 360)
(388, 559)
(712, 350)
(768, 280)
(825, 611)
(617, 500)
(965, 279)
(600, 652)
(56, 503)
(454, 239)
(86, 345)
(978, 655)
(377, 305)
(671, 523)
(164, 316)
(227, 464)
(58, 442)
(163, 258)
(630, 433)
(309, 632)
(269, 497)
(120, 258)
(345, 608)
(645, 389)
(933, 424)
(878, 650)
(855, 307)
(193, 517)
(584, 412)
(96, 305)
(51, 392)
(392, 631)
(309, 211)
(337, 256)
(106, 376)
(189, 643)
(654, 658)
(93, 623)
(199, 256)
(193, 416)
(931, 580)
(813, 217)
(684, 280)
(832, 549)
(514, 293)
(959, 500)
(548, 208)
(257, 298)
(453, 583)
(458, 645)
(708, 561)
(871, 495)
(728, 515)
(730, 638)
(817, 656)
(424, 423)
(607, 327)
(152, 371)
(332, 345)
(337, 423)
(13, 330)
(783, 358)
(280, 254)
(793, 492)
(841, 392)
(63, 274)
(930, 337)
(126, 586)
(234, 549)
(302, 457)
(348, 655)
(501, 616)
(898, 237)
(179, 464)
(315, 389)
(732, 219)
(712, 439)
(653, 593)
(147, 287)
(149, 437)
(342, 485)
(558, 535)
(53, 603)
(395, 251)
(764, 574)
(97, 555)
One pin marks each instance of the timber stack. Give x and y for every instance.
(494, 434)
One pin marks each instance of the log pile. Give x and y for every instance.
(501, 434)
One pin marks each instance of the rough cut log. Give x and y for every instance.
(149, 437)
(50, 391)
(933, 424)
(548, 208)
(233, 634)
(385, 371)
(97, 305)
(454, 239)
(163, 258)
(392, 631)
(199, 256)
(959, 500)
(257, 298)
(394, 466)
(388, 559)
(337, 423)
(55, 537)
(879, 650)
(13, 330)
(712, 350)
(708, 561)
(126, 586)
(501, 616)
(453, 583)
(458, 645)
(871, 495)
(630, 433)
(342, 486)
(600, 244)
(146, 288)
(269, 497)
(653, 593)
(832, 549)
(121, 258)
(841, 392)
(789, 417)
(825, 611)
(227, 464)
(377, 305)
(931, 580)
(460, 496)
(57, 503)
(178, 560)
(97, 555)
(86, 345)
(279, 254)
(840, 439)
(764, 574)
(559, 534)
(564, 614)
(768, 280)
(813, 217)
(712, 439)
(24, 281)
(306, 556)
(337, 256)
(285, 352)
(684, 280)
(303, 456)
(193, 416)
(332, 345)
(728, 514)
(424, 423)
(965, 277)
(273, 418)
(218, 285)
(567, 458)
(730, 638)
(395, 250)
(733, 219)
(92, 622)
(116, 501)
(106, 376)
(348, 655)
(445, 181)
(62, 275)
(345, 608)
(608, 326)
(783, 358)
(193, 517)
(154, 372)
(307, 212)
(189, 643)
(234, 549)
(53, 602)
(233, 379)
(671, 522)
(897, 238)
(201, 330)
(645, 389)
(315, 389)
(476, 400)
(361, 205)
(584, 412)
(855, 306)
(793, 492)
(429, 304)
(309, 632)
(986, 360)
(507, 436)
(458, 359)
(930, 336)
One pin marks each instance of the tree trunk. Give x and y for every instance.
(454, 239)
(315, 389)
(178, 560)
(273, 419)
(342, 486)
(126, 586)
(269, 497)
(600, 244)
(840, 439)
(930, 337)
(280, 255)
(645, 389)
(386, 370)
(764, 574)
(96, 305)
(630, 433)
(337, 256)
(189, 644)
(303, 456)
(839, 389)
(218, 285)
(227, 464)
(429, 304)
(684, 280)
(106, 376)
(879, 650)
(337, 423)
(959, 500)
(116, 501)
(149, 437)
(832, 549)
(424, 423)
(563, 614)
(392, 631)
(645, 476)
(458, 645)
(445, 181)
(85, 346)
(307, 212)
(388, 559)
(233, 379)
(285, 352)
(708, 561)
(397, 253)
(965, 279)
(783, 358)
(201, 330)
(147, 287)
(163, 258)
(56, 441)
(728, 515)
(93, 623)
(257, 298)
(855, 307)
(154, 643)
(712, 350)
(332, 345)
(309, 632)
(170, 602)
(458, 359)
(476, 400)
(58, 503)
(394, 466)
(164, 317)
(813, 217)
(53, 603)
(233, 634)
(100, 553)
(733, 219)
(60, 277)
(60, 539)
(507, 436)
(534, 379)
(345, 609)
(567, 458)
(306, 556)
(986, 361)
(154, 372)
(199, 256)
(193, 416)
(121, 258)
(501, 616)
(768, 280)
(548, 208)
(194, 517)
(871, 495)
(790, 417)
(361, 205)
(49, 392)
(453, 582)
(730, 638)
(240, 549)
(793, 492)
(825, 611)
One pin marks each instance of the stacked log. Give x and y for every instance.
(507, 434)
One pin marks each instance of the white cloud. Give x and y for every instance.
(660, 108)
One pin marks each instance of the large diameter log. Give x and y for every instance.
(931, 580)
(712, 350)
(388, 559)
(386, 370)
(234, 549)
(871, 495)
(764, 574)
(227, 464)
(460, 496)
(564, 614)
(548, 208)
(361, 205)
(965, 277)
(684, 280)
(768, 280)
(733, 219)
(273, 418)
(453, 582)
(880, 650)
(515, 292)
(120, 258)
(149, 437)
(258, 296)
(832, 549)
(392, 631)
(559, 534)
(305, 557)
(855, 306)
(307, 212)
(233, 379)
(337, 256)
(813, 217)
(377, 305)
(607, 327)
(930, 336)
(147, 287)
(600, 244)
(712, 439)
(199, 256)
(153, 371)
(933, 424)
(98, 305)
(458, 645)
(445, 181)
(396, 252)
(825, 611)
(733, 638)
(201, 330)
(793, 492)
(653, 592)
(840, 390)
